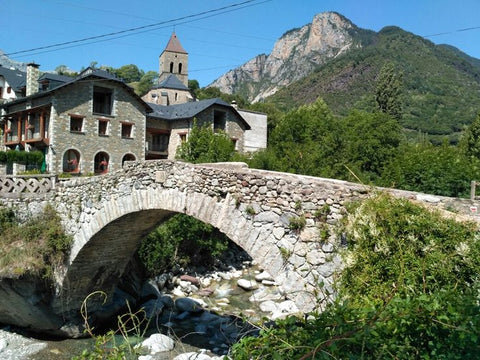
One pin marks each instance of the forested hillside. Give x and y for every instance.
(441, 84)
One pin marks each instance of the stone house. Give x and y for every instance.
(91, 124)
(175, 109)
(169, 126)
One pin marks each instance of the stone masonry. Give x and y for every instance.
(260, 211)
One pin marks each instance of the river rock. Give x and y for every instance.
(158, 343)
(247, 284)
(263, 276)
(191, 279)
(264, 294)
(153, 307)
(192, 356)
(188, 304)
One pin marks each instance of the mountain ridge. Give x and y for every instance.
(441, 83)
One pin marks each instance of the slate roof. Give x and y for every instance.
(55, 77)
(189, 110)
(171, 82)
(88, 72)
(174, 45)
(15, 78)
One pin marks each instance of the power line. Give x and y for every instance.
(150, 27)
(453, 32)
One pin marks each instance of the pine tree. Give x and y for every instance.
(388, 93)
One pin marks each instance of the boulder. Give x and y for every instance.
(188, 304)
(247, 284)
(158, 343)
(192, 356)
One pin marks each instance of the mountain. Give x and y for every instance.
(333, 59)
(5, 61)
(296, 54)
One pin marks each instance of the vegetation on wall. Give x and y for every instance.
(34, 247)
(409, 290)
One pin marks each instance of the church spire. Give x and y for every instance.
(174, 45)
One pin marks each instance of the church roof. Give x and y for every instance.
(171, 82)
(174, 45)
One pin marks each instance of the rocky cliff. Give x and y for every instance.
(296, 54)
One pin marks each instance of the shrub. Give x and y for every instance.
(35, 247)
(181, 240)
(409, 290)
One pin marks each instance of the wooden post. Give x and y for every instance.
(472, 189)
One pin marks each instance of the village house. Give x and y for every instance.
(175, 111)
(12, 84)
(91, 124)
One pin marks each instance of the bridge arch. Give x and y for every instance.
(101, 249)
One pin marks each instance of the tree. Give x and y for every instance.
(388, 92)
(470, 142)
(204, 145)
(306, 140)
(129, 73)
(371, 140)
(145, 83)
(441, 170)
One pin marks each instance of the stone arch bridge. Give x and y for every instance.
(258, 210)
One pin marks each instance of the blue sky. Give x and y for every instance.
(217, 41)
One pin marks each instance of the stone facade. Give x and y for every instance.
(76, 101)
(89, 125)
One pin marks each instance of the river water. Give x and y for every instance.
(184, 333)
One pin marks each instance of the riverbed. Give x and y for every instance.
(226, 299)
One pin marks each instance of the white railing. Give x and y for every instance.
(26, 184)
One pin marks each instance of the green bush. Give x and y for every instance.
(22, 157)
(35, 247)
(409, 290)
(181, 240)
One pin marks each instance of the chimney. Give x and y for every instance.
(33, 73)
(234, 104)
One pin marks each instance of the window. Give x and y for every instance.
(180, 68)
(76, 123)
(128, 157)
(127, 130)
(71, 161)
(183, 137)
(171, 67)
(102, 100)
(9, 90)
(219, 119)
(160, 142)
(1, 92)
(101, 161)
(102, 127)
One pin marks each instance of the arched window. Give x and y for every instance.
(180, 68)
(128, 157)
(71, 161)
(100, 163)
(171, 67)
